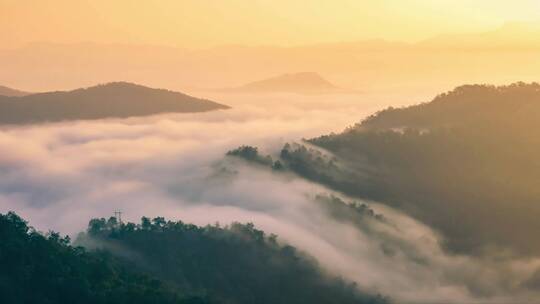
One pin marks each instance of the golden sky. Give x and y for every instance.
(204, 23)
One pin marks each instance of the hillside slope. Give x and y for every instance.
(160, 261)
(5, 91)
(466, 164)
(460, 163)
(231, 264)
(40, 268)
(112, 100)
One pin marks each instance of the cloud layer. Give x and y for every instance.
(59, 176)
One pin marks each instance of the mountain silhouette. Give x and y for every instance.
(5, 91)
(469, 156)
(112, 100)
(512, 35)
(303, 83)
(372, 64)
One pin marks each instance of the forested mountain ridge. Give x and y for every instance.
(38, 268)
(232, 264)
(159, 261)
(518, 103)
(111, 100)
(460, 163)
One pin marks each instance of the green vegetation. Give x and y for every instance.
(461, 163)
(352, 211)
(45, 269)
(251, 154)
(466, 164)
(516, 104)
(159, 261)
(234, 264)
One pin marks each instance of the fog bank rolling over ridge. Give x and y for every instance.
(270, 152)
(60, 175)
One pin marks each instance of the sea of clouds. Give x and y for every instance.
(60, 175)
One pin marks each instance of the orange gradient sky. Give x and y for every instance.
(204, 23)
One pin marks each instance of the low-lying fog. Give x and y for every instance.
(58, 176)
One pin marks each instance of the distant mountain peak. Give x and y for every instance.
(312, 78)
(109, 100)
(511, 35)
(303, 75)
(5, 91)
(302, 82)
(122, 85)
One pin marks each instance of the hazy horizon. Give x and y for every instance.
(194, 46)
(276, 151)
(287, 23)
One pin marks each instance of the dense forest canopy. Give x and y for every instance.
(465, 163)
(517, 104)
(159, 261)
(37, 268)
(232, 264)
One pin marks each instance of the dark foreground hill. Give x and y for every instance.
(465, 163)
(160, 261)
(5, 91)
(112, 100)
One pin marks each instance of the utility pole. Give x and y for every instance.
(118, 216)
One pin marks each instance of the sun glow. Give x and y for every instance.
(206, 23)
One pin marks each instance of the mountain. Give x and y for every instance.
(237, 263)
(303, 83)
(459, 163)
(465, 163)
(362, 65)
(516, 104)
(512, 35)
(112, 100)
(56, 272)
(5, 91)
(159, 261)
